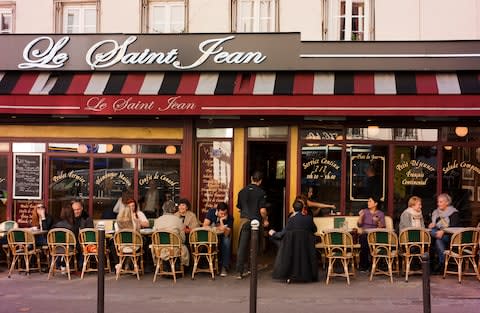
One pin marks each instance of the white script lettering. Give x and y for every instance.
(41, 59)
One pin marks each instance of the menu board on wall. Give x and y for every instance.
(214, 176)
(27, 176)
(23, 212)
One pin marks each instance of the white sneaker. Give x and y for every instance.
(223, 272)
(117, 268)
(63, 270)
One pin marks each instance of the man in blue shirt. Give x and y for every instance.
(223, 222)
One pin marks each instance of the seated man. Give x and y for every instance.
(220, 219)
(169, 222)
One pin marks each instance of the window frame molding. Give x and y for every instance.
(234, 16)
(145, 15)
(9, 5)
(59, 9)
(369, 31)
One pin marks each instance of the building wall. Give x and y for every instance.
(39, 10)
(427, 19)
(120, 19)
(304, 16)
(394, 20)
(206, 16)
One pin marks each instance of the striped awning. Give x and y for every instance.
(241, 93)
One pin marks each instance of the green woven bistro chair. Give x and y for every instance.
(5, 226)
(22, 246)
(204, 245)
(62, 246)
(383, 244)
(339, 248)
(129, 247)
(462, 253)
(88, 239)
(414, 242)
(167, 248)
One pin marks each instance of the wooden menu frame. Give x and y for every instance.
(27, 176)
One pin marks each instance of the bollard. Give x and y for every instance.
(101, 268)
(255, 224)
(427, 307)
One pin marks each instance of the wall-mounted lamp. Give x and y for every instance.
(448, 148)
(461, 131)
(171, 149)
(126, 149)
(109, 147)
(82, 148)
(373, 130)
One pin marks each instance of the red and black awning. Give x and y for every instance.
(241, 93)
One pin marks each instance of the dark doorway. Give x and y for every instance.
(270, 158)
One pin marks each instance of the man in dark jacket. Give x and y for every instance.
(252, 205)
(81, 220)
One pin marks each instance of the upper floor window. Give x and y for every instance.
(165, 16)
(256, 15)
(76, 16)
(348, 19)
(6, 20)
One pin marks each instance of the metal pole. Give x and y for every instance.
(427, 307)
(255, 224)
(101, 269)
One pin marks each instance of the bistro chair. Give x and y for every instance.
(62, 247)
(88, 238)
(383, 244)
(22, 245)
(204, 245)
(5, 226)
(167, 248)
(320, 247)
(129, 246)
(414, 242)
(463, 250)
(339, 248)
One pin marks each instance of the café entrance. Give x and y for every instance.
(270, 159)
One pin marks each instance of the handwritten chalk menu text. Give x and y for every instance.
(214, 175)
(27, 176)
(23, 212)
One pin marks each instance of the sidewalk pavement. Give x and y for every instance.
(36, 294)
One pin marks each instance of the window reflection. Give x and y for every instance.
(68, 179)
(321, 175)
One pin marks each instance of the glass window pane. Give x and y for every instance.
(370, 133)
(3, 187)
(267, 132)
(167, 149)
(4, 147)
(113, 179)
(28, 147)
(214, 132)
(415, 134)
(6, 22)
(158, 19)
(177, 18)
(162, 175)
(366, 176)
(215, 174)
(321, 176)
(90, 20)
(68, 179)
(461, 179)
(462, 133)
(415, 174)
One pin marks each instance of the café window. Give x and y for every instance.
(3, 187)
(461, 179)
(321, 174)
(165, 16)
(255, 15)
(158, 181)
(6, 20)
(366, 176)
(414, 174)
(349, 20)
(76, 16)
(69, 179)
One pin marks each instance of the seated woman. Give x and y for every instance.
(189, 219)
(126, 219)
(296, 259)
(371, 217)
(412, 216)
(41, 220)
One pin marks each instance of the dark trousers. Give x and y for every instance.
(364, 251)
(244, 244)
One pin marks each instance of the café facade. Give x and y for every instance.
(192, 115)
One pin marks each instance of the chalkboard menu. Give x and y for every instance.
(27, 176)
(23, 212)
(214, 175)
